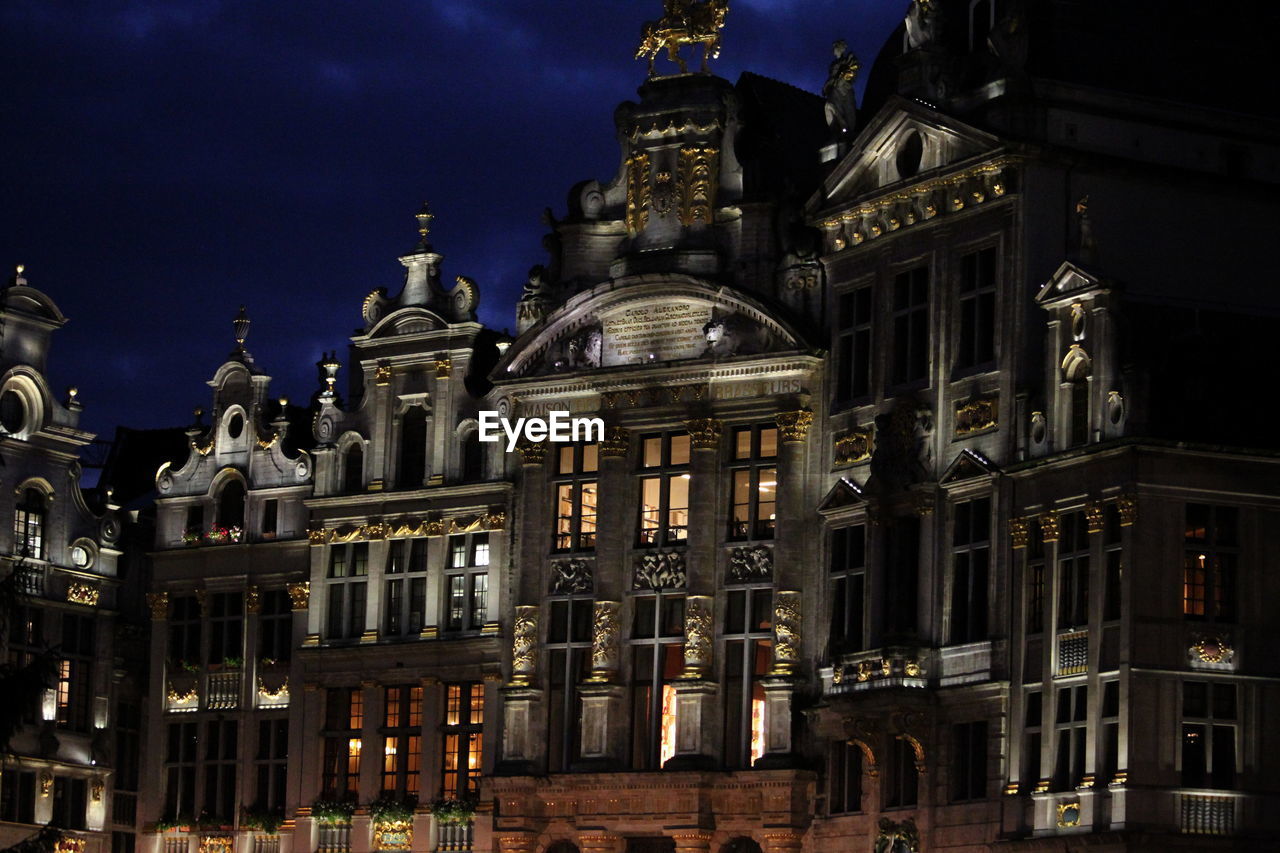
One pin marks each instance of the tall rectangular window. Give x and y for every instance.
(128, 744)
(1070, 731)
(75, 672)
(1073, 572)
(270, 764)
(902, 578)
(463, 744)
(577, 496)
(911, 326)
(275, 626)
(28, 525)
(226, 627)
(343, 742)
(467, 582)
(846, 779)
(347, 590)
(1209, 563)
(848, 588)
(270, 518)
(180, 771)
(657, 649)
(1032, 726)
(26, 643)
(755, 483)
(1035, 577)
(977, 293)
(401, 741)
(568, 651)
(405, 599)
(853, 344)
(970, 556)
(70, 798)
(902, 776)
(1208, 735)
(664, 489)
(18, 796)
(1114, 556)
(969, 761)
(184, 631)
(220, 743)
(1110, 732)
(748, 651)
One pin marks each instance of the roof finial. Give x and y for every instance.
(18, 280)
(241, 326)
(424, 217)
(1087, 250)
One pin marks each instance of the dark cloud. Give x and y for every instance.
(167, 160)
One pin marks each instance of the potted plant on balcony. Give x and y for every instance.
(261, 820)
(453, 811)
(333, 811)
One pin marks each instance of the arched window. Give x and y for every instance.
(353, 469)
(28, 525)
(413, 449)
(231, 505)
(472, 458)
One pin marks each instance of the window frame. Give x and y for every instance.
(912, 321)
(576, 532)
(977, 294)
(754, 467)
(465, 614)
(467, 736)
(663, 646)
(852, 345)
(665, 534)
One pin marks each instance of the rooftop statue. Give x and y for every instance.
(684, 22)
(842, 107)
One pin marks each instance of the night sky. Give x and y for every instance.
(164, 162)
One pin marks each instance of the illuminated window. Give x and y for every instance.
(664, 489)
(1073, 572)
(1070, 732)
(220, 769)
(401, 741)
(657, 649)
(755, 486)
(344, 722)
(848, 588)
(75, 673)
(467, 582)
(1209, 563)
(577, 496)
(568, 651)
(347, 590)
(911, 326)
(405, 598)
(977, 344)
(270, 764)
(28, 525)
(970, 555)
(853, 344)
(1208, 735)
(748, 650)
(463, 739)
(180, 771)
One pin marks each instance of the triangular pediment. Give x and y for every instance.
(844, 495)
(969, 465)
(906, 142)
(648, 319)
(1068, 282)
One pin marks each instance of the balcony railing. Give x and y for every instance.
(224, 690)
(263, 843)
(1207, 814)
(176, 844)
(29, 579)
(334, 838)
(454, 837)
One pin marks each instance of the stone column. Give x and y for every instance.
(790, 530)
(522, 701)
(430, 773)
(382, 431)
(614, 514)
(442, 423)
(692, 840)
(783, 841)
(704, 506)
(370, 745)
(599, 841)
(535, 527)
(522, 841)
(695, 693)
(603, 712)
(780, 684)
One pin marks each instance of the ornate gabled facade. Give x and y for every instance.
(71, 760)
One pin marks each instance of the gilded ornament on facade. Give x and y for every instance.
(637, 193)
(786, 631)
(1127, 505)
(794, 426)
(95, 789)
(976, 416)
(854, 446)
(300, 594)
(493, 520)
(158, 604)
(532, 452)
(393, 835)
(252, 599)
(1049, 526)
(617, 440)
(433, 527)
(886, 667)
(1093, 516)
(697, 183)
(1019, 532)
(319, 537)
(864, 671)
(684, 22)
(1212, 649)
(377, 530)
(524, 644)
(704, 433)
(79, 592)
(664, 193)
(382, 373)
(606, 629)
(444, 366)
(1068, 814)
(698, 627)
(911, 669)
(216, 844)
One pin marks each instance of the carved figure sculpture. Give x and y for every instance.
(842, 106)
(922, 23)
(684, 22)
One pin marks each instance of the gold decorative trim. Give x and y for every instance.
(158, 604)
(300, 594)
(854, 446)
(444, 366)
(786, 632)
(977, 415)
(382, 373)
(696, 185)
(1094, 517)
(1049, 526)
(637, 193)
(794, 426)
(704, 433)
(524, 644)
(1128, 508)
(617, 441)
(79, 592)
(1019, 532)
(252, 599)
(532, 452)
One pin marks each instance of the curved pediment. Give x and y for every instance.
(413, 320)
(647, 319)
(34, 303)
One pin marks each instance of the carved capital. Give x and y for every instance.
(1019, 532)
(617, 440)
(158, 604)
(382, 373)
(698, 625)
(606, 630)
(300, 594)
(1128, 508)
(252, 599)
(319, 537)
(794, 426)
(444, 366)
(532, 452)
(786, 631)
(705, 433)
(1093, 517)
(1049, 526)
(524, 644)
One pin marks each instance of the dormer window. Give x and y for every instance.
(353, 470)
(231, 505)
(28, 525)
(413, 448)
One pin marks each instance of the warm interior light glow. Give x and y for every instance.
(668, 744)
(757, 729)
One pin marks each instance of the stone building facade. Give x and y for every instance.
(72, 761)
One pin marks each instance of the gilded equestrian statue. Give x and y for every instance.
(684, 22)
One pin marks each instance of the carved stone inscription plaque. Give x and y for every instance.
(668, 331)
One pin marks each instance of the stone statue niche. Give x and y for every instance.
(734, 334)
